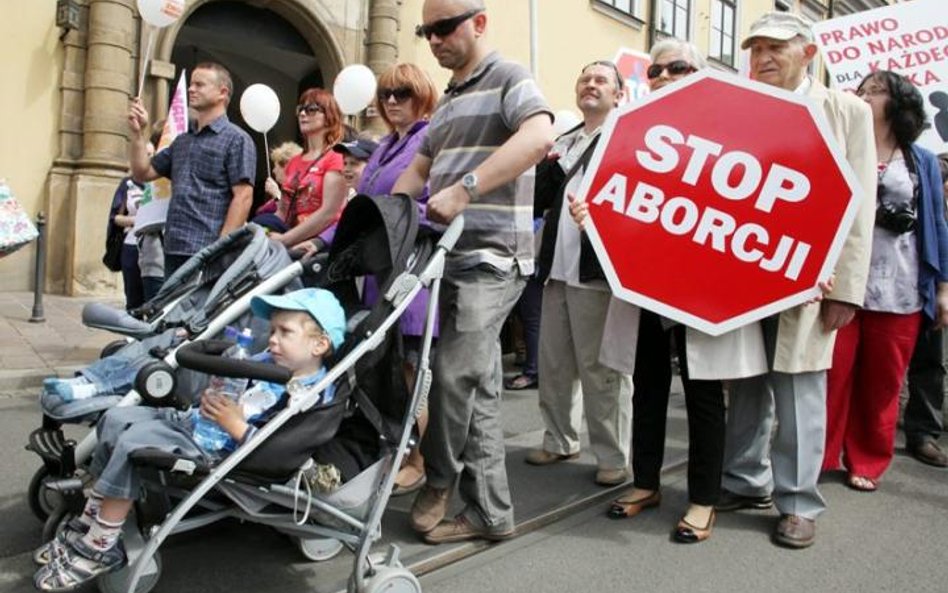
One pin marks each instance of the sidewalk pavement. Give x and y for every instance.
(57, 346)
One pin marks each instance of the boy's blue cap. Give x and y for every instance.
(321, 304)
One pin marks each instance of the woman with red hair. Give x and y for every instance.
(314, 189)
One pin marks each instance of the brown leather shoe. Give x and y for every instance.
(794, 531)
(544, 457)
(929, 452)
(625, 507)
(460, 529)
(612, 477)
(429, 508)
(687, 533)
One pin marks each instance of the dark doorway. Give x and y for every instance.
(257, 46)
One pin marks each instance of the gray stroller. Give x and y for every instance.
(209, 282)
(211, 291)
(365, 431)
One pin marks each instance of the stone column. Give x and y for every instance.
(381, 45)
(108, 81)
(108, 84)
(382, 40)
(59, 213)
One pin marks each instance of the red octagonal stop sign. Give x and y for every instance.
(718, 201)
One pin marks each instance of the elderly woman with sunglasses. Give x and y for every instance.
(314, 189)
(406, 98)
(704, 362)
(907, 289)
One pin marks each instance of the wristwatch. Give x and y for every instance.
(469, 183)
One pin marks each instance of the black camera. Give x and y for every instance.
(898, 218)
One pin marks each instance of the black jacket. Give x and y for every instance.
(548, 195)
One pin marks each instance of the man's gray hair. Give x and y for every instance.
(689, 50)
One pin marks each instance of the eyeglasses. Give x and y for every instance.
(872, 91)
(674, 68)
(310, 109)
(444, 27)
(400, 94)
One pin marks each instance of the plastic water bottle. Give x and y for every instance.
(207, 433)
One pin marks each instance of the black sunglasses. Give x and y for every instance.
(402, 93)
(310, 109)
(444, 27)
(674, 68)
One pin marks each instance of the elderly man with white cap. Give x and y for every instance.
(799, 342)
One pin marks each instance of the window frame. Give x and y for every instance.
(676, 6)
(716, 51)
(635, 11)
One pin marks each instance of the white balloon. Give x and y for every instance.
(260, 107)
(160, 13)
(564, 120)
(354, 88)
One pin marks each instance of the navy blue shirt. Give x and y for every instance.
(203, 168)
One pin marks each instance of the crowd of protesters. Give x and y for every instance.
(828, 372)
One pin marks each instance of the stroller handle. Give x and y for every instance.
(205, 356)
(452, 233)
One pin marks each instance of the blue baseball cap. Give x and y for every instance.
(321, 304)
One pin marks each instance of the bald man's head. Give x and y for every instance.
(450, 7)
(454, 30)
(457, 5)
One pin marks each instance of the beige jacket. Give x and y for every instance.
(802, 345)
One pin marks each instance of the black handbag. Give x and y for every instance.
(113, 248)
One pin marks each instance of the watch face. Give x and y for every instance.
(469, 181)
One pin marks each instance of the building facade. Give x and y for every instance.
(67, 87)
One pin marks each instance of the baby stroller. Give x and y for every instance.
(365, 430)
(209, 282)
(242, 264)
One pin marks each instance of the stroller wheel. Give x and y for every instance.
(117, 582)
(42, 500)
(319, 549)
(388, 579)
(156, 383)
(112, 347)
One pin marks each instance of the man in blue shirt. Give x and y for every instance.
(212, 169)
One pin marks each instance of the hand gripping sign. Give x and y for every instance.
(718, 201)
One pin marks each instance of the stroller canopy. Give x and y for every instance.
(375, 236)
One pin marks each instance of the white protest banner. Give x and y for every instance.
(910, 38)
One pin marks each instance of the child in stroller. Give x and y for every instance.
(306, 326)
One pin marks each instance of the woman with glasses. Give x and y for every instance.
(704, 362)
(314, 190)
(907, 289)
(406, 98)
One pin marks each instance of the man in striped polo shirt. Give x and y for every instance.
(491, 126)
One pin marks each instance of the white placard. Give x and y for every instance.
(910, 38)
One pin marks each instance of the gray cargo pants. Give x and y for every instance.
(465, 440)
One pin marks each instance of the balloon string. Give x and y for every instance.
(144, 64)
(266, 152)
